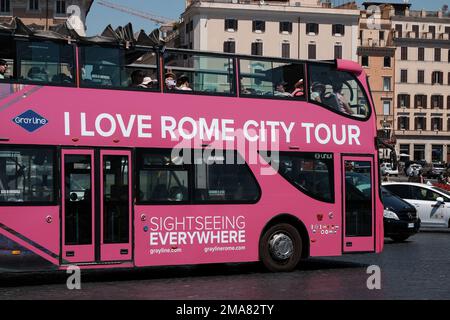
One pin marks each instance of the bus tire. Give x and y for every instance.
(280, 248)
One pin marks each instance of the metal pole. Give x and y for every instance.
(46, 16)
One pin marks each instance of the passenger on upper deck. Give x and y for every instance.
(317, 91)
(343, 104)
(169, 80)
(3, 68)
(299, 89)
(137, 79)
(183, 83)
(280, 90)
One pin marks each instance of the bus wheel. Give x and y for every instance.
(280, 248)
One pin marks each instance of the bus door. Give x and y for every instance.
(96, 206)
(358, 204)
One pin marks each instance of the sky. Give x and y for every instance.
(99, 16)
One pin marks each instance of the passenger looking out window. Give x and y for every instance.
(318, 89)
(183, 83)
(3, 68)
(170, 81)
(280, 90)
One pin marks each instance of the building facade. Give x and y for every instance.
(376, 54)
(44, 13)
(307, 29)
(422, 84)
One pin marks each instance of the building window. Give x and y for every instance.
(5, 6)
(432, 30)
(403, 123)
(419, 152)
(312, 52)
(448, 56)
(231, 25)
(381, 35)
(437, 77)
(421, 54)
(448, 125)
(420, 123)
(437, 152)
(404, 149)
(404, 53)
(437, 101)
(386, 108)
(387, 62)
(387, 83)
(257, 48)
(421, 76)
(448, 102)
(399, 29)
(365, 61)
(285, 50)
(312, 28)
(448, 76)
(403, 101)
(437, 54)
(259, 26)
(285, 27)
(61, 8)
(338, 30)
(404, 76)
(415, 29)
(229, 47)
(338, 52)
(420, 101)
(33, 5)
(436, 124)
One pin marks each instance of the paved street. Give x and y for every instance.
(417, 269)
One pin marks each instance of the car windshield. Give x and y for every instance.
(392, 201)
(441, 190)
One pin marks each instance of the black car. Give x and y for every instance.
(400, 218)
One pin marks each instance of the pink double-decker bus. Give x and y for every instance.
(114, 154)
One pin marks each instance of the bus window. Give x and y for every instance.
(45, 62)
(311, 173)
(337, 90)
(161, 180)
(217, 181)
(26, 175)
(198, 73)
(6, 59)
(272, 79)
(118, 68)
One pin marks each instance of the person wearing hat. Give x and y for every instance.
(280, 90)
(170, 81)
(3, 68)
(318, 89)
(299, 89)
(183, 83)
(147, 82)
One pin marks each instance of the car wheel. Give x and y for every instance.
(280, 248)
(399, 238)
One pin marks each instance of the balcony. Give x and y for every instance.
(421, 35)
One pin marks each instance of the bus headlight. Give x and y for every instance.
(388, 214)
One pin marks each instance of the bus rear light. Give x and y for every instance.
(116, 140)
(16, 252)
(75, 139)
(319, 217)
(4, 139)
